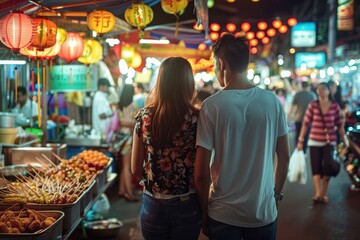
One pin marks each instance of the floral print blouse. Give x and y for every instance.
(169, 170)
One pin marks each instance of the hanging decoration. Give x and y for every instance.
(175, 7)
(61, 35)
(16, 30)
(202, 14)
(101, 21)
(16, 83)
(139, 15)
(92, 52)
(45, 36)
(72, 48)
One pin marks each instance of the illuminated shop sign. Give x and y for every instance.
(303, 34)
(68, 78)
(345, 15)
(311, 60)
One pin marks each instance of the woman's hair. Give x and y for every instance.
(234, 50)
(126, 96)
(328, 88)
(171, 99)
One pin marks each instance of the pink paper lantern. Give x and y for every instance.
(72, 48)
(17, 30)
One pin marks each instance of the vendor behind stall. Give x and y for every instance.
(101, 109)
(26, 109)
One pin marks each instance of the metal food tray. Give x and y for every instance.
(71, 210)
(101, 178)
(53, 232)
(87, 198)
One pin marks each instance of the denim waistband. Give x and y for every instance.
(166, 196)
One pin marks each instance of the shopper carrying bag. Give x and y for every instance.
(297, 167)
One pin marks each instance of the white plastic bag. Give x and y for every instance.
(297, 167)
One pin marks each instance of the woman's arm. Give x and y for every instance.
(137, 156)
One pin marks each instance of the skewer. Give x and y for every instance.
(42, 163)
(49, 160)
(58, 157)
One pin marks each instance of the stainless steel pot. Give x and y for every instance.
(102, 229)
(7, 120)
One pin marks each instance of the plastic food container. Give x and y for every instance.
(53, 232)
(8, 135)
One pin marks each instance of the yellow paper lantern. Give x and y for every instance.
(136, 61)
(101, 21)
(173, 6)
(139, 15)
(92, 52)
(62, 33)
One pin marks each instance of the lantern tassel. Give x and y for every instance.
(32, 80)
(16, 83)
(88, 77)
(50, 65)
(44, 76)
(70, 78)
(38, 93)
(177, 25)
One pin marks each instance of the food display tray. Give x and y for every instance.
(71, 210)
(87, 198)
(53, 232)
(101, 178)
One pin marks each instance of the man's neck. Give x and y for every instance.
(237, 81)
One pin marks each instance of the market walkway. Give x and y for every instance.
(299, 219)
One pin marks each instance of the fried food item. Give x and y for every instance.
(34, 226)
(6, 215)
(14, 230)
(25, 221)
(48, 222)
(16, 223)
(3, 228)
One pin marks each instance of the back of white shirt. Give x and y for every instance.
(100, 105)
(242, 126)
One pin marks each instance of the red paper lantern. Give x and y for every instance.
(283, 29)
(253, 50)
(254, 42)
(214, 27)
(72, 48)
(292, 22)
(271, 32)
(265, 40)
(16, 30)
(214, 36)
(245, 26)
(231, 27)
(276, 23)
(262, 25)
(250, 35)
(260, 34)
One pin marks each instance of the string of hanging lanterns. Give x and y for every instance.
(260, 32)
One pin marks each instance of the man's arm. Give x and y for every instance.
(281, 169)
(202, 180)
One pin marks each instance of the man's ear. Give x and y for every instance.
(222, 64)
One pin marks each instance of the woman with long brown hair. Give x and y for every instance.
(163, 155)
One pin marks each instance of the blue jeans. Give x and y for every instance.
(176, 218)
(221, 231)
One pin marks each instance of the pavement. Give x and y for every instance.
(299, 218)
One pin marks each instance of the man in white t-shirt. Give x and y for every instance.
(101, 109)
(26, 110)
(245, 126)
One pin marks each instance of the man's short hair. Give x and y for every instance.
(304, 84)
(22, 90)
(103, 82)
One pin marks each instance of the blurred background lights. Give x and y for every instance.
(214, 27)
(351, 62)
(330, 71)
(303, 67)
(231, 27)
(322, 74)
(292, 50)
(292, 22)
(267, 81)
(245, 26)
(250, 74)
(256, 79)
(123, 67)
(313, 75)
(280, 61)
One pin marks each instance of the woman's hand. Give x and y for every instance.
(300, 145)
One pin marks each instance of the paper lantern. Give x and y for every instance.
(262, 25)
(139, 15)
(260, 34)
(245, 26)
(72, 48)
(101, 21)
(214, 27)
(231, 27)
(265, 40)
(136, 61)
(92, 52)
(173, 6)
(62, 33)
(214, 36)
(271, 32)
(45, 36)
(276, 23)
(292, 22)
(283, 29)
(250, 35)
(16, 30)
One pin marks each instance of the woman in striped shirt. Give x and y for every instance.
(321, 135)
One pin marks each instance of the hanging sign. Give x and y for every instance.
(345, 15)
(303, 34)
(67, 78)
